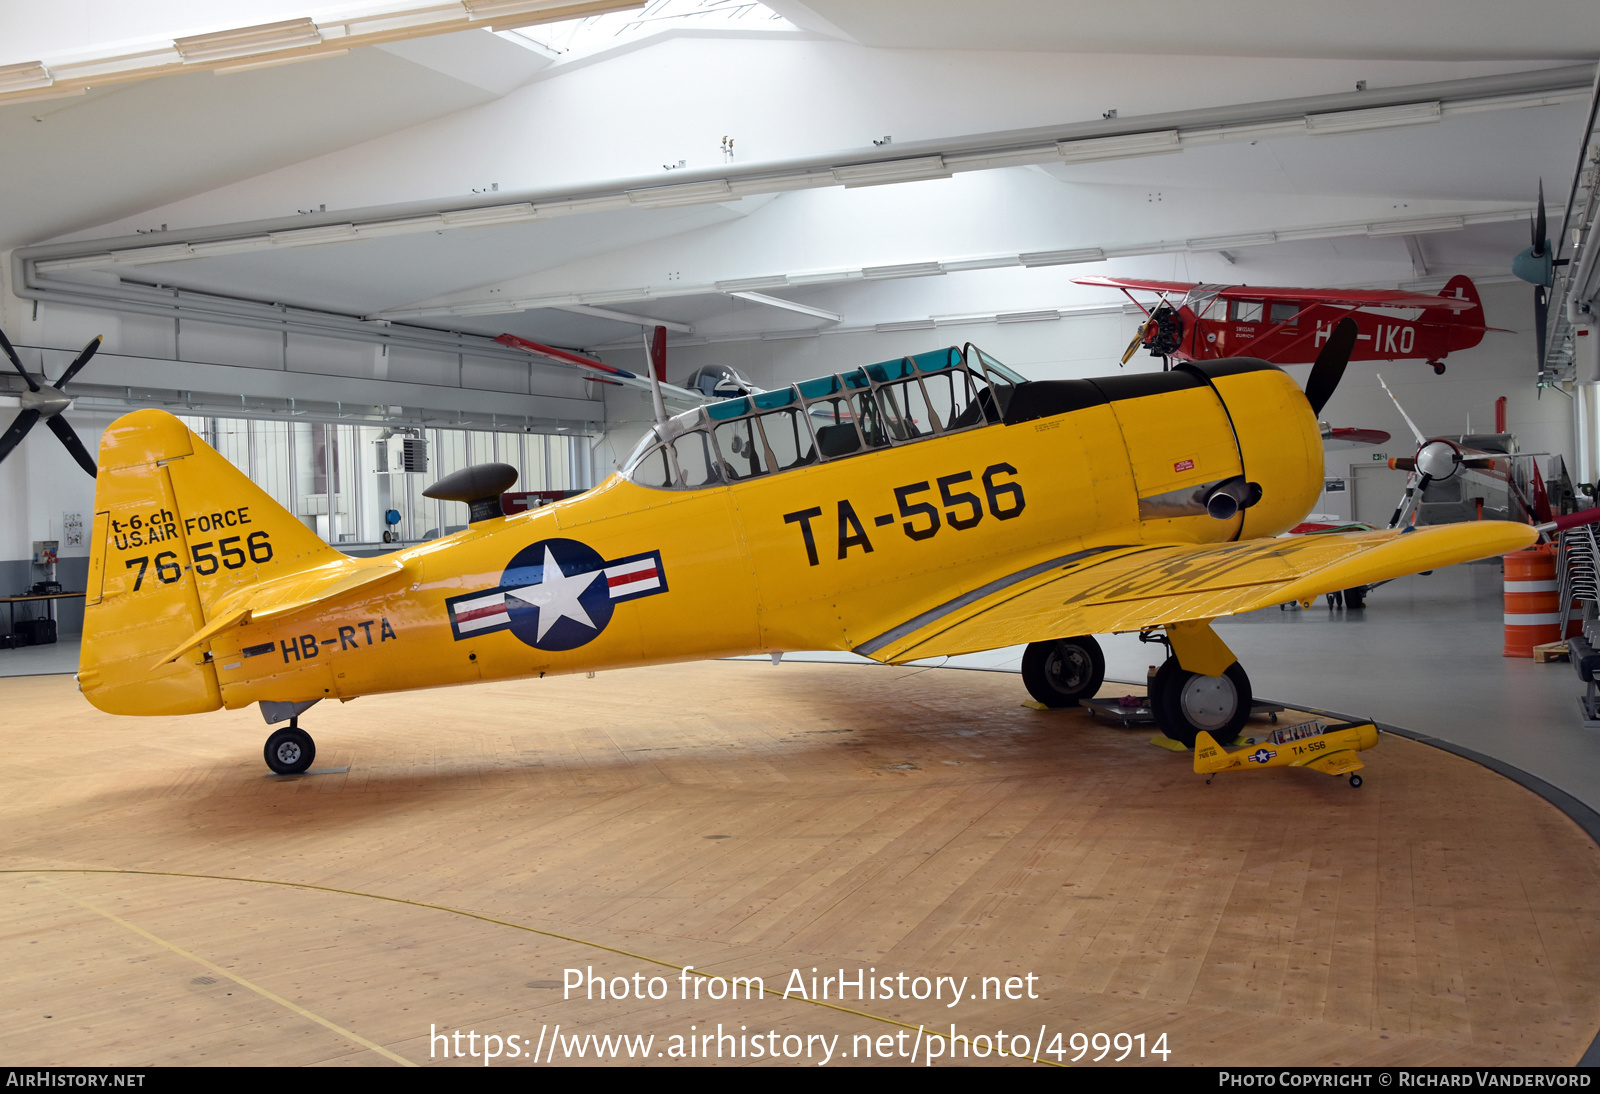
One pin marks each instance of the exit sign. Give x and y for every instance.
(1380, 457)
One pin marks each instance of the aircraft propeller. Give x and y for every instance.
(1536, 265)
(1138, 339)
(1330, 365)
(48, 403)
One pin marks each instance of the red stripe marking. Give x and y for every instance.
(630, 579)
(479, 613)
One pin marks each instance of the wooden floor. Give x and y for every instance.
(750, 820)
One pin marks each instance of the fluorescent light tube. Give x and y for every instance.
(1383, 117)
(1120, 147)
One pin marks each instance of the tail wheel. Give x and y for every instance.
(1438, 367)
(1185, 702)
(290, 751)
(1060, 672)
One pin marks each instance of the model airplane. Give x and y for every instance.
(1328, 749)
(948, 506)
(47, 403)
(1290, 326)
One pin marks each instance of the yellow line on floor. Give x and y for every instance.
(220, 971)
(451, 911)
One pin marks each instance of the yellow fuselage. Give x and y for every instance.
(827, 556)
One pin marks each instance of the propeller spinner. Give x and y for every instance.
(47, 403)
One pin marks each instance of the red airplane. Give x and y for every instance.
(1289, 326)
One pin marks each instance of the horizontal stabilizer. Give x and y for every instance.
(288, 594)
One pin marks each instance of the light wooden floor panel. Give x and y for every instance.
(750, 820)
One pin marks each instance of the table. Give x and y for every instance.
(11, 603)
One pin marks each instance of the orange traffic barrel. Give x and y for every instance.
(1533, 603)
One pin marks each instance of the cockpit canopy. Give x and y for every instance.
(833, 417)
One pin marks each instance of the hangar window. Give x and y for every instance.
(340, 479)
(1246, 311)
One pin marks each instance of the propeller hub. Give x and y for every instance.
(47, 401)
(1438, 459)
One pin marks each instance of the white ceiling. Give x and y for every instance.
(421, 126)
(1414, 30)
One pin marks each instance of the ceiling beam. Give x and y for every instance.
(624, 317)
(789, 305)
(1419, 262)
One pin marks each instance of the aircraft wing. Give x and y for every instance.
(1356, 298)
(1109, 589)
(599, 370)
(1336, 763)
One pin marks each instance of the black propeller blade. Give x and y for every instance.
(19, 429)
(1329, 369)
(1539, 226)
(58, 425)
(1541, 295)
(79, 361)
(5, 343)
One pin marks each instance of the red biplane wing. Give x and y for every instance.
(562, 356)
(1357, 298)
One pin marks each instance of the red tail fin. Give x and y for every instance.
(1468, 320)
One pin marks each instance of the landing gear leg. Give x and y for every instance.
(290, 750)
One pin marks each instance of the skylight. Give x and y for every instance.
(573, 38)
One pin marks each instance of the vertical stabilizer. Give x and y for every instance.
(1463, 329)
(176, 526)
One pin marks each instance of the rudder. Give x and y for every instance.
(1463, 329)
(176, 526)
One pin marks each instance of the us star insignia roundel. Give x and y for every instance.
(557, 594)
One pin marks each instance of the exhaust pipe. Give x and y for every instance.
(1230, 496)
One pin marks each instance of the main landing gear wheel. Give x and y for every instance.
(1185, 702)
(290, 751)
(1355, 782)
(1061, 672)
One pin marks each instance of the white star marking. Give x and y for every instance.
(556, 595)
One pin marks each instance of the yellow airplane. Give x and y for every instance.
(1328, 749)
(934, 505)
